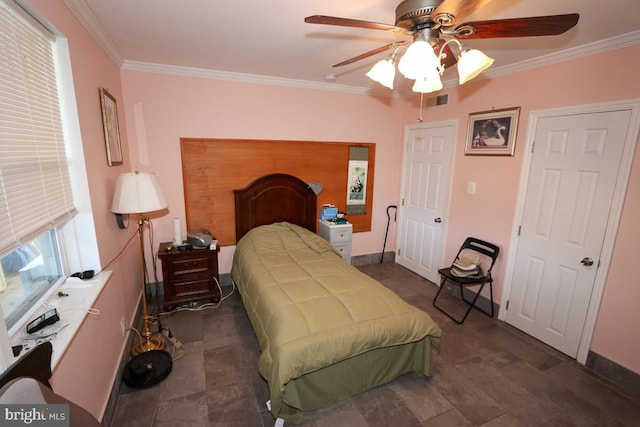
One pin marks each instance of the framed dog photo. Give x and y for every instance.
(492, 133)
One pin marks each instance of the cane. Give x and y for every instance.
(387, 232)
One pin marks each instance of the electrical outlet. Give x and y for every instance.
(122, 327)
(471, 187)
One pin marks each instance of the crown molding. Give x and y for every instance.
(86, 17)
(80, 9)
(589, 49)
(240, 77)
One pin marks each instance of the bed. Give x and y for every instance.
(326, 331)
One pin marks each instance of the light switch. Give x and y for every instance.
(471, 187)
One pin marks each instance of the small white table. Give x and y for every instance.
(339, 235)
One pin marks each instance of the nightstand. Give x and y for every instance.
(339, 235)
(189, 275)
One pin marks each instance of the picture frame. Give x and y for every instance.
(492, 133)
(357, 182)
(111, 128)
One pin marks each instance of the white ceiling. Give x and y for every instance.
(269, 38)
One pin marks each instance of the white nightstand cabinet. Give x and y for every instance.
(340, 236)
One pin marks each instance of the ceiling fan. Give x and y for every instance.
(429, 20)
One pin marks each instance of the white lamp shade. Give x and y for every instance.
(418, 61)
(471, 63)
(384, 72)
(428, 84)
(137, 192)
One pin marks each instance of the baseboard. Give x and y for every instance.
(375, 258)
(225, 279)
(109, 411)
(622, 377)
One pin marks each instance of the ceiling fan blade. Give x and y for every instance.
(517, 27)
(451, 11)
(346, 22)
(368, 54)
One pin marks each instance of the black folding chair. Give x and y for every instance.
(490, 251)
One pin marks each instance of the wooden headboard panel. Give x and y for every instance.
(275, 198)
(213, 168)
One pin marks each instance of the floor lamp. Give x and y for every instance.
(139, 193)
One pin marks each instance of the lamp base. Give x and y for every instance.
(152, 343)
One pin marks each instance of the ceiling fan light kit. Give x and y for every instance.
(418, 61)
(421, 64)
(426, 58)
(427, 84)
(383, 72)
(471, 62)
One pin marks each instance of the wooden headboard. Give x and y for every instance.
(275, 198)
(213, 168)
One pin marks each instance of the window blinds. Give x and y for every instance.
(35, 188)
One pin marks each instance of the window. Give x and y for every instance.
(27, 274)
(35, 188)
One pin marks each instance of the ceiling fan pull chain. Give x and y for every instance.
(420, 118)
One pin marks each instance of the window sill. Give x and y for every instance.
(73, 309)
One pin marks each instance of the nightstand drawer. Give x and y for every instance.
(341, 234)
(193, 287)
(344, 249)
(181, 267)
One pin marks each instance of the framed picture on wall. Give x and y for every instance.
(111, 128)
(492, 132)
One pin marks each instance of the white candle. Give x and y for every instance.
(177, 232)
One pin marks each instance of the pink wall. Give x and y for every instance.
(86, 372)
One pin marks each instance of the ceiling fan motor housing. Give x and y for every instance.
(415, 14)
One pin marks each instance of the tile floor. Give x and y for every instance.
(486, 374)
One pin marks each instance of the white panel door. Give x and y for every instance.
(425, 197)
(574, 168)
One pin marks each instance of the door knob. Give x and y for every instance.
(438, 220)
(586, 261)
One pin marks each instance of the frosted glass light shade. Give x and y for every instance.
(137, 192)
(383, 72)
(418, 61)
(472, 62)
(428, 84)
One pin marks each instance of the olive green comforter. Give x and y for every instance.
(326, 330)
